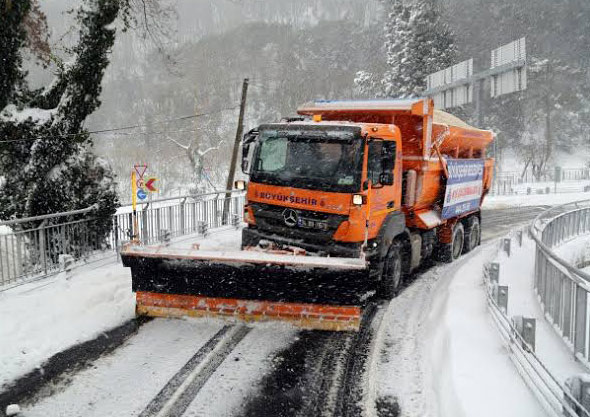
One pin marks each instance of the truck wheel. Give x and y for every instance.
(448, 252)
(391, 276)
(248, 239)
(472, 234)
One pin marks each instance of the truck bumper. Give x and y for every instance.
(251, 237)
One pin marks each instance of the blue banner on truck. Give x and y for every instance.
(464, 186)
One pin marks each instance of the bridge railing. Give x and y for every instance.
(563, 288)
(35, 247)
(557, 180)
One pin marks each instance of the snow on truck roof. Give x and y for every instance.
(440, 117)
(444, 118)
(385, 104)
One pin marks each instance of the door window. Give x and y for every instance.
(375, 162)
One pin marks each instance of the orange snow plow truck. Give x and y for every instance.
(342, 203)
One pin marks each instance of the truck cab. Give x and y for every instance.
(390, 181)
(326, 187)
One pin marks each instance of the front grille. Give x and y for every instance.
(312, 226)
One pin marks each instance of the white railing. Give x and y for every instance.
(559, 398)
(567, 180)
(34, 247)
(563, 289)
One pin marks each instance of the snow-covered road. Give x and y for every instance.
(273, 369)
(125, 382)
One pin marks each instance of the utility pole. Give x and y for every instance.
(234, 156)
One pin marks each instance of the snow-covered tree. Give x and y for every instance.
(418, 43)
(46, 158)
(398, 38)
(365, 83)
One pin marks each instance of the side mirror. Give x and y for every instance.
(248, 145)
(245, 161)
(386, 178)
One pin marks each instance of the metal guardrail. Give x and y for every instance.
(562, 288)
(555, 396)
(556, 180)
(564, 174)
(507, 187)
(32, 252)
(187, 215)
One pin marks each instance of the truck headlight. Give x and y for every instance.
(240, 185)
(357, 200)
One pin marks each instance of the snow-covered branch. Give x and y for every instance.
(180, 145)
(212, 148)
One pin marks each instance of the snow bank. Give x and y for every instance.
(43, 318)
(575, 251)
(517, 272)
(441, 354)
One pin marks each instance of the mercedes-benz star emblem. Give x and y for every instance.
(290, 217)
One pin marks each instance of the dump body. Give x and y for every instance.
(425, 134)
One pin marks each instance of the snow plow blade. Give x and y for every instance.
(307, 316)
(308, 291)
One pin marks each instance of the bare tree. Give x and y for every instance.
(151, 20)
(196, 153)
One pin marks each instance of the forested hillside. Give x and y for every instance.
(297, 51)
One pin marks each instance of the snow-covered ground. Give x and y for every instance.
(42, 318)
(441, 354)
(438, 352)
(502, 201)
(517, 272)
(123, 383)
(238, 377)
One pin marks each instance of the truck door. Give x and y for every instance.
(380, 173)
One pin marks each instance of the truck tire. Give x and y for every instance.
(391, 275)
(249, 239)
(448, 252)
(472, 234)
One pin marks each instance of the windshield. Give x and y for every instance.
(329, 161)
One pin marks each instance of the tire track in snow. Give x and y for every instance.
(327, 376)
(320, 374)
(353, 385)
(178, 393)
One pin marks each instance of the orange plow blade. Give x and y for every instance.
(309, 316)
